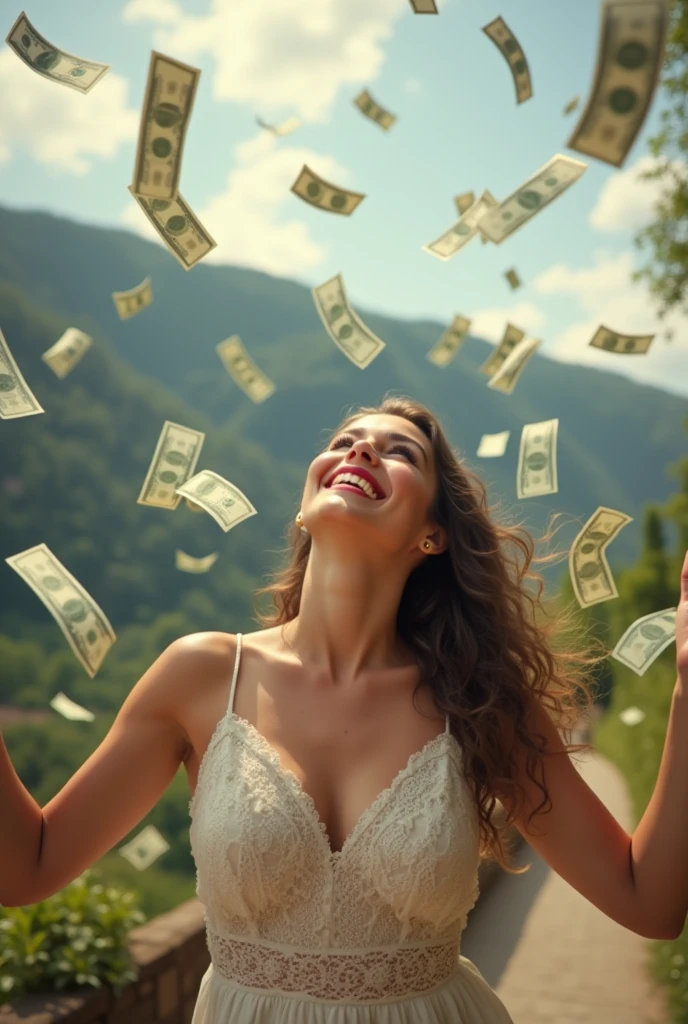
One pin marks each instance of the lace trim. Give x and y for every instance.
(370, 976)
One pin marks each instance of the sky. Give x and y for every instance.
(458, 129)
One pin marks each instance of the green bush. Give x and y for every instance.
(77, 937)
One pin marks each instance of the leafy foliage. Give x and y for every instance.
(667, 236)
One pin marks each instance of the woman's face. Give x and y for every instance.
(395, 457)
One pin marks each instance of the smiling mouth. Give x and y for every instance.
(352, 487)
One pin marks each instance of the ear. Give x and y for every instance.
(439, 540)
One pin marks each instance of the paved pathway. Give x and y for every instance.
(550, 955)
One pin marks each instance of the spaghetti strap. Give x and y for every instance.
(237, 659)
(446, 724)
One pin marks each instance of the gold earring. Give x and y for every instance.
(427, 545)
(299, 522)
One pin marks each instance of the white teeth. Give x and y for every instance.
(353, 478)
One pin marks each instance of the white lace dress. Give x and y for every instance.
(369, 934)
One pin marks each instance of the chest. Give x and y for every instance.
(343, 750)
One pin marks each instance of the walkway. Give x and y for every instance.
(550, 955)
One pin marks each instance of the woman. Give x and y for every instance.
(342, 791)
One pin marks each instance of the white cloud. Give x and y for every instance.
(606, 294)
(244, 219)
(626, 201)
(58, 126)
(293, 54)
(490, 323)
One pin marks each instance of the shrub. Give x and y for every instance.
(77, 937)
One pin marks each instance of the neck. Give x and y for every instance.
(346, 624)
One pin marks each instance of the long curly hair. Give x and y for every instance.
(483, 638)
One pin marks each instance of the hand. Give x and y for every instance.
(682, 627)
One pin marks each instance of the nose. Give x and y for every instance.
(364, 448)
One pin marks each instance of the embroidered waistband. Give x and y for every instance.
(377, 974)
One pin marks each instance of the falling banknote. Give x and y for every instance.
(222, 500)
(464, 202)
(318, 192)
(623, 344)
(629, 61)
(424, 6)
(144, 848)
(502, 36)
(368, 106)
(591, 576)
(443, 351)
(132, 302)
(187, 563)
(243, 370)
(645, 639)
(512, 337)
(83, 623)
(179, 228)
(537, 460)
(170, 93)
(50, 62)
(493, 446)
(511, 369)
(533, 196)
(348, 332)
(173, 462)
(513, 278)
(571, 106)
(283, 129)
(69, 709)
(67, 351)
(16, 397)
(465, 229)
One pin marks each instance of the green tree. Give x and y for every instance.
(666, 237)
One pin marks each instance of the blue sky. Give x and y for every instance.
(458, 129)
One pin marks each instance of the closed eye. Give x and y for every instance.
(348, 439)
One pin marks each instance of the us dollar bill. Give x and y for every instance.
(67, 351)
(368, 106)
(347, 330)
(221, 499)
(629, 62)
(464, 202)
(187, 563)
(531, 197)
(444, 350)
(243, 370)
(645, 639)
(51, 62)
(537, 460)
(513, 366)
(173, 462)
(591, 576)
(465, 229)
(502, 36)
(513, 278)
(145, 848)
(512, 337)
(315, 190)
(179, 228)
(167, 105)
(493, 446)
(283, 129)
(133, 301)
(624, 344)
(16, 397)
(424, 6)
(83, 622)
(571, 106)
(70, 709)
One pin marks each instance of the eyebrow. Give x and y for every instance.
(358, 431)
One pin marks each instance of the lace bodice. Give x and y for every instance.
(392, 902)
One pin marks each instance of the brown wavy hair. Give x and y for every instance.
(483, 638)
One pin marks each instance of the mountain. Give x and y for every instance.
(616, 437)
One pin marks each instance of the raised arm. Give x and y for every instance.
(41, 851)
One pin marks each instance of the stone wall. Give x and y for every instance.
(172, 957)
